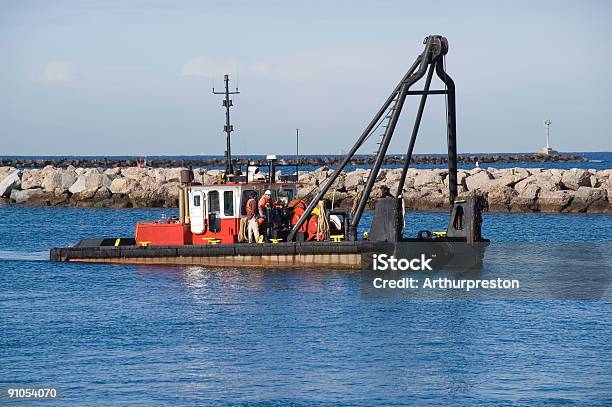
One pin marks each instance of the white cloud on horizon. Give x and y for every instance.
(58, 72)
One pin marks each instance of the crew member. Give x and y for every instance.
(251, 211)
(265, 203)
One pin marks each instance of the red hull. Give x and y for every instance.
(169, 233)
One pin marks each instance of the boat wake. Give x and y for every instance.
(29, 256)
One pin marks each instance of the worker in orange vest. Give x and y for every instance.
(265, 212)
(265, 202)
(252, 225)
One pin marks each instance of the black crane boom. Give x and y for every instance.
(432, 58)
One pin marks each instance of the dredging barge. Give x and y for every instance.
(300, 232)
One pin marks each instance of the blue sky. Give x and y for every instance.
(135, 77)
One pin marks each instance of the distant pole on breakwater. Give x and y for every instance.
(297, 153)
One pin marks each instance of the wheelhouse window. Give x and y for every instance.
(213, 202)
(285, 196)
(228, 203)
(196, 200)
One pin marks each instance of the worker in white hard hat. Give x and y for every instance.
(265, 212)
(265, 202)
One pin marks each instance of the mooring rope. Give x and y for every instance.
(322, 223)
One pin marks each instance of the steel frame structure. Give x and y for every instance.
(432, 58)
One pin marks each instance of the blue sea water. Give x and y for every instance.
(163, 335)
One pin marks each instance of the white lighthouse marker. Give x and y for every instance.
(547, 124)
(547, 150)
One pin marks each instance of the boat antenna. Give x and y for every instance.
(228, 128)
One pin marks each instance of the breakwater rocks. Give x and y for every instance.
(507, 190)
(315, 161)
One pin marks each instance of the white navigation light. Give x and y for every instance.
(547, 150)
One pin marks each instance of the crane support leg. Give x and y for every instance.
(415, 130)
(451, 130)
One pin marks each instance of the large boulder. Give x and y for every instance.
(6, 171)
(480, 181)
(170, 192)
(88, 184)
(554, 201)
(52, 180)
(78, 186)
(48, 169)
(10, 182)
(102, 193)
(115, 201)
(28, 196)
(411, 175)
(393, 175)
(428, 178)
(340, 199)
(556, 172)
(576, 178)
(160, 174)
(499, 198)
(304, 177)
(512, 176)
(68, 178)
(147, 184)
(172, 174)
(37, 196)
(521, 171)
(217, 175)
(113, 172)
(588, 199)
(134, 173)
(123, 186)
(201, 175)
(607, 186)
(602, 177)
(526, 198)
(354, 179)
(426, 198)
(31, 179)
(499, 172)
(543, 180)
(391, 179)
(461, 177)
(147, 199)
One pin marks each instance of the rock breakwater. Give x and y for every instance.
(505, 190)
(314, 161)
